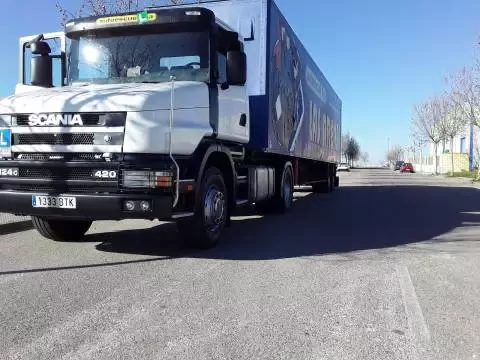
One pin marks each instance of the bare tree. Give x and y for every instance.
(454, 122)
(417, 148)
(344, 145)
(352, 150)
(465, 90)
(427, 122)
(364, 156)
(395, 153)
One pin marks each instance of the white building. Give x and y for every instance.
(466, 150)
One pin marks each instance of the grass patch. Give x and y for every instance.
(464, 173)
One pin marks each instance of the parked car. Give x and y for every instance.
(398, 165)
(343, 167)
(407, 167)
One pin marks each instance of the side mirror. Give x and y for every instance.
(40, 48)
(236, 68)
(41, 65)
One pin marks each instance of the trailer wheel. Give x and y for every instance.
(61, 230)
(203, 230)
(332, 183)
(285, 200)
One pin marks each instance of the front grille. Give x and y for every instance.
(54, 139)
(61, 177)
(58, 156)
(58, 173)
(88, 119)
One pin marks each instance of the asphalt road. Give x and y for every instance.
(387, 267)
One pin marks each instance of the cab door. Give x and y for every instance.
(57, 42)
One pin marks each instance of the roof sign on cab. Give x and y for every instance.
(140, 18)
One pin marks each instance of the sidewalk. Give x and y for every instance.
(463, 180)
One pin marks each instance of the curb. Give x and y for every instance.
(14, 227)
(10, 223)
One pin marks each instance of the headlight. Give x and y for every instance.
(146, 179)
(112, 119)
(5, 120)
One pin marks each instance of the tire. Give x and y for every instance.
(61, 230)
(283, 199)
(203, 230)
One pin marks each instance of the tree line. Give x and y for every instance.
(446, 115)
(394, 154)
(350, 150)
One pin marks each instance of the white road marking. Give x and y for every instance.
(417, 327)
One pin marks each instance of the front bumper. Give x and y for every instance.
(89, 206)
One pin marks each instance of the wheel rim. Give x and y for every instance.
(287, 190)
(214, 208)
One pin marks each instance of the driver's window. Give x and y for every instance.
(56, 63)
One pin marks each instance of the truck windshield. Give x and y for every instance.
(108, 58)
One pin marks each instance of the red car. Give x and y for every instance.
(407, 167)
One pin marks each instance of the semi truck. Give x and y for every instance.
(179, 113)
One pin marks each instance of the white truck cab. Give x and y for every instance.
(151, 115)
(109, 117)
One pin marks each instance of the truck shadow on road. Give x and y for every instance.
(352, 219)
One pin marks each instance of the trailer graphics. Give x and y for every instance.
(286, 90)
(305, 112)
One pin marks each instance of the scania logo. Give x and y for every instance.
(54, 119)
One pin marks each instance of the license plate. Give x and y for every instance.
(59, 202)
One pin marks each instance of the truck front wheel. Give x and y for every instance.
(61, 230)
(211, 211)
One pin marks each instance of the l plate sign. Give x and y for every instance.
(5, 142)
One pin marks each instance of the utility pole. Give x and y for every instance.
(470, 155)
(388, 150)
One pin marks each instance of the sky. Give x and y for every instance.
(381, 57)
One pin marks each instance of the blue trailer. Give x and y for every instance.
(285, 85)
(180, 113)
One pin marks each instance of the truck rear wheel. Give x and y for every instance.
(61, 230)
(203, 230)
(283, 198)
